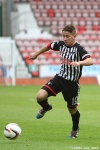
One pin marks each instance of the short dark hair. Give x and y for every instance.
(70, 28)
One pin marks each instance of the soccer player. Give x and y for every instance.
(73, 58)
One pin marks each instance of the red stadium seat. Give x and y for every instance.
(51, 13)
(98, 14)
(96, 28)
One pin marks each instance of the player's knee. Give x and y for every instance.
(72, 111)
(42, 95)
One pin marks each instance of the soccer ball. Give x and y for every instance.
(12, 131)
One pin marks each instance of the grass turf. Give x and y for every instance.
(18, 104)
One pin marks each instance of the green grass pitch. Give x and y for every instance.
(18, 104)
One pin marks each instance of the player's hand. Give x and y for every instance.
(75, 64)
(32, 56)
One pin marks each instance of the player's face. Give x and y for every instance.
(68, 38)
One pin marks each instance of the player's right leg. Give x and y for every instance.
(43, 102)
(51, 88)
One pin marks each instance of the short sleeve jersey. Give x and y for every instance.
(68, 55)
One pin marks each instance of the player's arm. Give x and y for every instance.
(37, 53)
(86, 62)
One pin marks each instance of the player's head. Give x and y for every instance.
(69, 34)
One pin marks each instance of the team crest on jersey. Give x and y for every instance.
(49, 83)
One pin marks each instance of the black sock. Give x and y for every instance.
(75, 120)
(44, 104)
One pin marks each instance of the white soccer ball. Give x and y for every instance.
(12, 131)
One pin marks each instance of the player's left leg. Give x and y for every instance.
(72, 104)
(70, 94)
(75, 115)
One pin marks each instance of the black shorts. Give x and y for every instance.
(69, 89)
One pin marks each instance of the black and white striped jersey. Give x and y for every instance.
(68, 55)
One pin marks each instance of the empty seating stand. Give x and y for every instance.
(54, 15)
(59, 13)
(27, 46)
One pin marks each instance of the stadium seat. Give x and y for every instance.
(47, 22)
(51, 13)
(98, 14)
(96, 28)
(40, 21)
